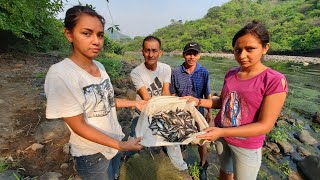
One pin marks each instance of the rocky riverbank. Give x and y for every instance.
(32, 147)
(295, 59)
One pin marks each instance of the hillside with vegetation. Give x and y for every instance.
(294, 26)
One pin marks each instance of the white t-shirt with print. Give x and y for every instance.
(71, 91)
(152, 80)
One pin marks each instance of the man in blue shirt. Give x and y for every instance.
(192, 79)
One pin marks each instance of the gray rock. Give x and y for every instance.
(305, 137)
(50, 176)
(272, 158)
(10, 175)
(273, 146)
(282, 123)
(285, 147)
(119, 91)
(316, 118)
(36, 146)
(310, 167)
(64, 166)
(295, 176)
(292, 121)
(300, 122)
(52, 129)
(131, 94)
(124, 114)
(303, 152)
(66, 148)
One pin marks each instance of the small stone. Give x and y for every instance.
(19, 65)
(2, 101)
(66, 148)
(316, 118)
(64, 166)
(292, 121)
(51, 176)
(300, 122)
(282, 123)
(131, 94)
(273, 146)
(36, 146)
(303, 152)
(286, 147)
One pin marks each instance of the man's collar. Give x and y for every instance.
(183, 69)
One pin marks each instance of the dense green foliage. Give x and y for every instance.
(31, 23)
(294, 26)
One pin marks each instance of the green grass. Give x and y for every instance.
(3, 165)
(194, 170)
(278, 133)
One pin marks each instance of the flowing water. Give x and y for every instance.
(302, 102)
(304, 81)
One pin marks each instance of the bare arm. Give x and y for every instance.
(166, 89)
(143, 93)
(80, 127)
(214, 102)
(121, 103)
(209, 116)
(270, 110)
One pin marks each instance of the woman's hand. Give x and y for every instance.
(139, 104)
(213, 133)
(131, 145)
(191, 99)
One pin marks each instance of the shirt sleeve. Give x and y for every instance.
(274, 85)
(136, 80)
(207, 84)
(173, 84)
(61, 101)
(167, 73)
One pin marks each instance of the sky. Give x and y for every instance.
(143, 17)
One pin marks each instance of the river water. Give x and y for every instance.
(302, 102)
(304, 81)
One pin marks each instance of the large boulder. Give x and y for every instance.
(310, 167)
(305, 137)
(50, 130)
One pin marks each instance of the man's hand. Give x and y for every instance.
(131, 145)
(139, 104)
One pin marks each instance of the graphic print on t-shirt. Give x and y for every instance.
(155, 88)
(231, 113)
(99, 98)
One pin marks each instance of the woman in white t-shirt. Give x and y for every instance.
(79, 90)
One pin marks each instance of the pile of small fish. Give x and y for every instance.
(174, 126)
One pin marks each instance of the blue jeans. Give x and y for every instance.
(97, 167)
(244, 163)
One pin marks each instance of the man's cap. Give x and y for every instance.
(192, 46)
